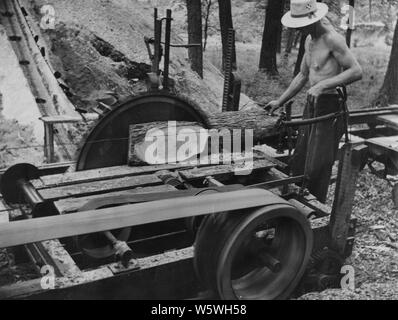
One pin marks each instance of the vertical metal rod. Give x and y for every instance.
(157, 44)
(155, 17)
(167, 51)
(158, 35)
(289, 130)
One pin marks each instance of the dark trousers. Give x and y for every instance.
(317, 145)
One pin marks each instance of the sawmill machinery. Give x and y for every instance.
(252, 236)
(195, 229)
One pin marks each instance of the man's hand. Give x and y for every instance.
(273, 106)
(315, 92)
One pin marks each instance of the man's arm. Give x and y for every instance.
(298, 82)
(295, 86)
(352, 70)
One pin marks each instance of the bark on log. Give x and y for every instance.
(259, 121)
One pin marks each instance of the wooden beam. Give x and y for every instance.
(389, 120)
(69, 119)
(70, 178)
(49, 142)
(40, 229)
(61, 259)
(99, 187)
(4, 218)
(159, 277)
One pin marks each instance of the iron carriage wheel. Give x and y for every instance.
(260, 254)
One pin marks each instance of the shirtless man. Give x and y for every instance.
(327, 64)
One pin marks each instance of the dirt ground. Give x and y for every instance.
(375, 253)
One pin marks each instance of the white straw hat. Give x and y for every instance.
(303, 13)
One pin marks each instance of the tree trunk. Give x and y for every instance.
(300, 55)
(272, 28)
(370, 10)
(206, 27)
(290, 37)
(226, 23)
(334, 14)
(349, 30)
(389, 90)
(259, 121)
(195, 54)
(290, 41)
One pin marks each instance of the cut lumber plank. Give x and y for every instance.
(92, 175)
(70, 178)
(4, 217)
(225, 171)
(389, 120)
(71, 205)
(69, 118)
(387, 147)
(98, 187)
(47, 169)
(389, 143)
(2, 205)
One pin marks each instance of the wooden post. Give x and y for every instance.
(351, 160)
(50, 121)
(49, 142)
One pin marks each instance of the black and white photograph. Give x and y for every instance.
(198, 151)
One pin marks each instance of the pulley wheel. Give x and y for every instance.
(9, 181)
(255, 255)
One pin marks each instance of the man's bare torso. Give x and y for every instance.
(319, 58)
